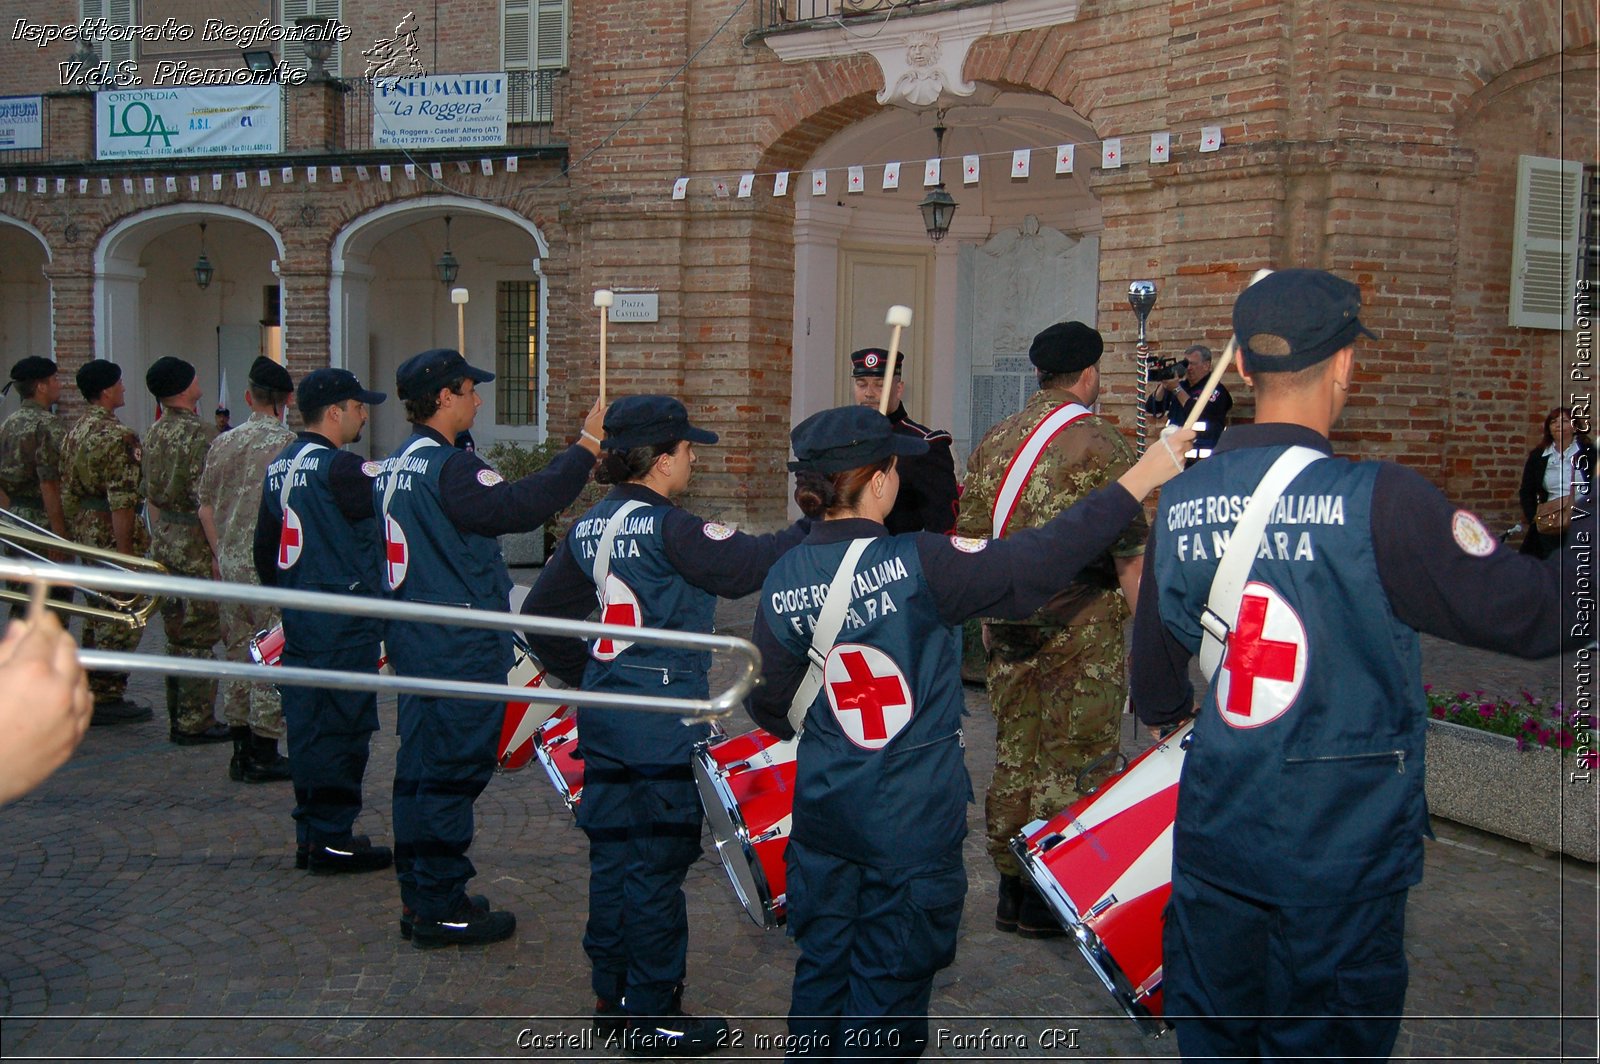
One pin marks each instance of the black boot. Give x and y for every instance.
(262, 762)
(1009, 905)
(1035, 919)
(677, 1034)
(241, 750)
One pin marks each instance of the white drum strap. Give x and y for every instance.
(602, 557)
(1233, 570)
(1027, 456)
(294, 467)
(826, 632)
(394, 474)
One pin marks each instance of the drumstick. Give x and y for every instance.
(458, 296)
(1219, 369)
(603, 299)
(899, 317)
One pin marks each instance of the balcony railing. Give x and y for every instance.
(536, 111)
(778, 14)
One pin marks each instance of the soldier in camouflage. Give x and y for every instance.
(30, 453)
(100, 497)
(230, 494)
(175, 453)
(1056, 681)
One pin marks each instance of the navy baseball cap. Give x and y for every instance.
(324, 387)
(426, 373)
(642, 420)
(1293, 319)
(873, 361)
(848, 437)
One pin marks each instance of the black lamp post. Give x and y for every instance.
(203, 270)
(938, 208)
(447, 267)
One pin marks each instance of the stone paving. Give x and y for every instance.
(149, 909)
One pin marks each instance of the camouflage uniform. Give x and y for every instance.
(30, 454)
(175, 451)
(100, 473)
(1056, 681)
(235, 467)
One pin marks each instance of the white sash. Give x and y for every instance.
(294, 467)
(829, 620)
(602, 557)
(1027, 457)
(394, 475)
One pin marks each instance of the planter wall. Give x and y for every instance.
(523, 548)
(1482, 780)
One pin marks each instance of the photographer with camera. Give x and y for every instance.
(1173, 394)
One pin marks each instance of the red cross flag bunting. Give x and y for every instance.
(290, 539)
(619, 605)
(869, 695)
(396, 555)
(1264, 667)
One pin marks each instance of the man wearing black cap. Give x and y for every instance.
(1301, 816)
(440, 510)
(230, 489)
(1055, 680)
(316, 530)
(175, 454)
(100, 494)
(30, 446)
(928, 490)
(1174, 399)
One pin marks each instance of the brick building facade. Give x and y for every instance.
(1376, 139)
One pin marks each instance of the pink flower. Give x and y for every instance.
(1438, 712)
(1486, 710)
(1427, 687)
(1563, 739)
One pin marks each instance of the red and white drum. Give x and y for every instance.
(519, 731)
(267, 647)
(556, 746)
(747, 786)
(1104, 865)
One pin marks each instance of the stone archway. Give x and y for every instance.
(26, 312)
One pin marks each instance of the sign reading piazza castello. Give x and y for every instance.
(439, 111)
(162, 123)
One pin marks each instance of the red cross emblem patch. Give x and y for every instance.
(1264, 666)
(869, 695)
(396, 555)
(290, 539)
(619, 605)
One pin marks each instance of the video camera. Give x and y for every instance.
(1166, 369)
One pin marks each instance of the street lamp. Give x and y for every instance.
(447, 267)
(938, 207)
(203, 270)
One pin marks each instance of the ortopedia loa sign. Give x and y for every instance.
(160, 123)
(635, 306)
(439, 111)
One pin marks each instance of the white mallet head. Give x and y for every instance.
(603, 297)
(1258, 275)
(458, 295)
(898, 315)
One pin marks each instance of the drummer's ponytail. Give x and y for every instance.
(617, 467)
(820, 495)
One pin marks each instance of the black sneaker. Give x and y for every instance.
(610, 1019)
(217, 733)
(469, 925)
(302, 852)
(349, 857)
(120, 711)
(408, 915)
(679, 1035)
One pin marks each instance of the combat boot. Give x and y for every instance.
(262, 762)
(346, 858)
(469, 925)
(1035, 919)
(676, 1034)
(1009, 905)
(241, 748)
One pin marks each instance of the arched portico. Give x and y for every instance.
(26, 312)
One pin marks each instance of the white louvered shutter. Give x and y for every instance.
(1544, 242)
(534, 37)
(550, 35)
(292, 54)
(116, 13)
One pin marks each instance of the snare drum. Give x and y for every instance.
(556, 746)
(747, 786)
(267, 647)
(522, 719)
(1104, 866)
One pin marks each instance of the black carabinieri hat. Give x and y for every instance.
(873, 361)
(848, 437)
(642, 420)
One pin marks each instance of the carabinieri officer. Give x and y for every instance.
(875, 876)
(664, 568)
(440, 510)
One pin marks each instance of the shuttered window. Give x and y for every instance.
(292, 54)
(116, 13)
(534, 37)
(1544, 254)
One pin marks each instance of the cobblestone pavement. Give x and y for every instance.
(149, 909)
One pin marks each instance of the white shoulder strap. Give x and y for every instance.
(1233, 571)
(602, 555)
(826, 632)
(294, 467)
(1027, 456)
(399, 464)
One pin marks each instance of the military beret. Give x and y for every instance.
(96, 376)
(641, 420)
(32, 368)
(1293, 319)
(265, 373)
(848, 437)
(426, 373)
(168, 376)
(873, 361)
(324, 387)
(1066, 347)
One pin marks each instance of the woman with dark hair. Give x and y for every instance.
(875, 877)
(651, 565)
(1562, 464)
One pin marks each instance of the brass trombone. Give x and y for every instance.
(28, 539)
(719, 704)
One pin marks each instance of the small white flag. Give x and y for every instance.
(264, 178)
(436, 170)
(486, 167)
(105, 185)
(240, 179)
(83, 184)
(969, 170)
(286, 175)
(1021, 160)
(747, 184)
(511, 164)
(780, 183)
(1160, 147)
(194, 182)
(363, 174)
(930, 173)
(1064, 158)
(891, 175)
(411, 171)
(216, 182)
(719, 188)
(680, 188)
(857, 179)
(39, 185)
(337, 173)
(149, 185)
(1111, 153)
(311, 175)
(127, 186)
(1210, 138)
(384, 171)
(61, 185)
(463, 167)
(819, 182)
